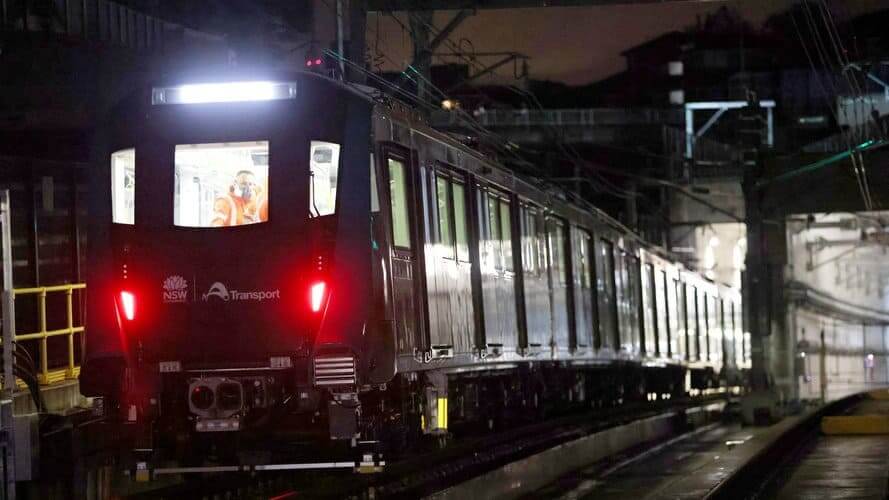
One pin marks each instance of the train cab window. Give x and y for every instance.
(398, 197)
(445, 229)
(462, 231)
(123, 186)
(324, 162)
(221, 184)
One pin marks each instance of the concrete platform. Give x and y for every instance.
(841, 466)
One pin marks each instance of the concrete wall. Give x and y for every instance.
(827, 253)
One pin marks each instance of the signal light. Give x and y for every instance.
(318, 62)
(316, 295)
(128, 301)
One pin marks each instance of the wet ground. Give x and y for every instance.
(684, 468)
(842, 467)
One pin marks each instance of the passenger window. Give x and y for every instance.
(585, 258)
(324, 162)
(494, 231)
(462, 238)
(221, 184)
(123, 186)
(557, 250)
(444, 215)
(529, 240)
(398, 195)
(506, 235)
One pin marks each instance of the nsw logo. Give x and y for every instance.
(217, 289)
(175, 289)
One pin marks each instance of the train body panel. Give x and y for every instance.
(430, 264)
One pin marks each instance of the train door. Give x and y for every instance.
(693, 324)
(582, 255)
(535, 281)
(649, 312)
(682, 334)
(561, 295)
(450, 287)
(408, 290)
(609, 336)
(497, 270)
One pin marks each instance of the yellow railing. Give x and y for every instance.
(45, 376)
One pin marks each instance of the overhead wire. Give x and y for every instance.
(825, 59)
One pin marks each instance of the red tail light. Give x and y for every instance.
(316, 295)
(128, 303)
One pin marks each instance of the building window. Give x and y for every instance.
(221, 184)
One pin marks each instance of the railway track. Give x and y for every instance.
(427, 471)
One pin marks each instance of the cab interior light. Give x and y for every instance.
(128, 304)
(200, 93)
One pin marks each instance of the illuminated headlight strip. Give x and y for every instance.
(223, 92)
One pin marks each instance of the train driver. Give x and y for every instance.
(245, 202)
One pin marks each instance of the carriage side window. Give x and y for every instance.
(462, 236)
(398, 196)
(123, 186)
(324, 162)
(506, 234)
(221, 184)
(557, 250)
(585, 258)
(494, 231)
(529, 240)
(445, 230)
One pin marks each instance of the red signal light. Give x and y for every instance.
(318, 62)
(316, 295)
(128, 303)
(309, 62)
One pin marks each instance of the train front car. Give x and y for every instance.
(231, 259)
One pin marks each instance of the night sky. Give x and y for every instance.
(576, 45)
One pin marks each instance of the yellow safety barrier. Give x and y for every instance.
(45, 376)
(855, 424)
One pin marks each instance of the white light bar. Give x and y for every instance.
(223, 92)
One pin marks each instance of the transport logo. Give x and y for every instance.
(219, 290)
(175, 289)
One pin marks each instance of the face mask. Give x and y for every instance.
(243, 190)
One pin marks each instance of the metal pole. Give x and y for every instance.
(339, 37)
(822, 368)
(7, 430)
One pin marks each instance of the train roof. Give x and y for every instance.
(401, 111)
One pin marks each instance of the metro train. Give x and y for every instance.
(298, 253)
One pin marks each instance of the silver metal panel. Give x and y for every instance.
(556, 234)
(536, 282)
